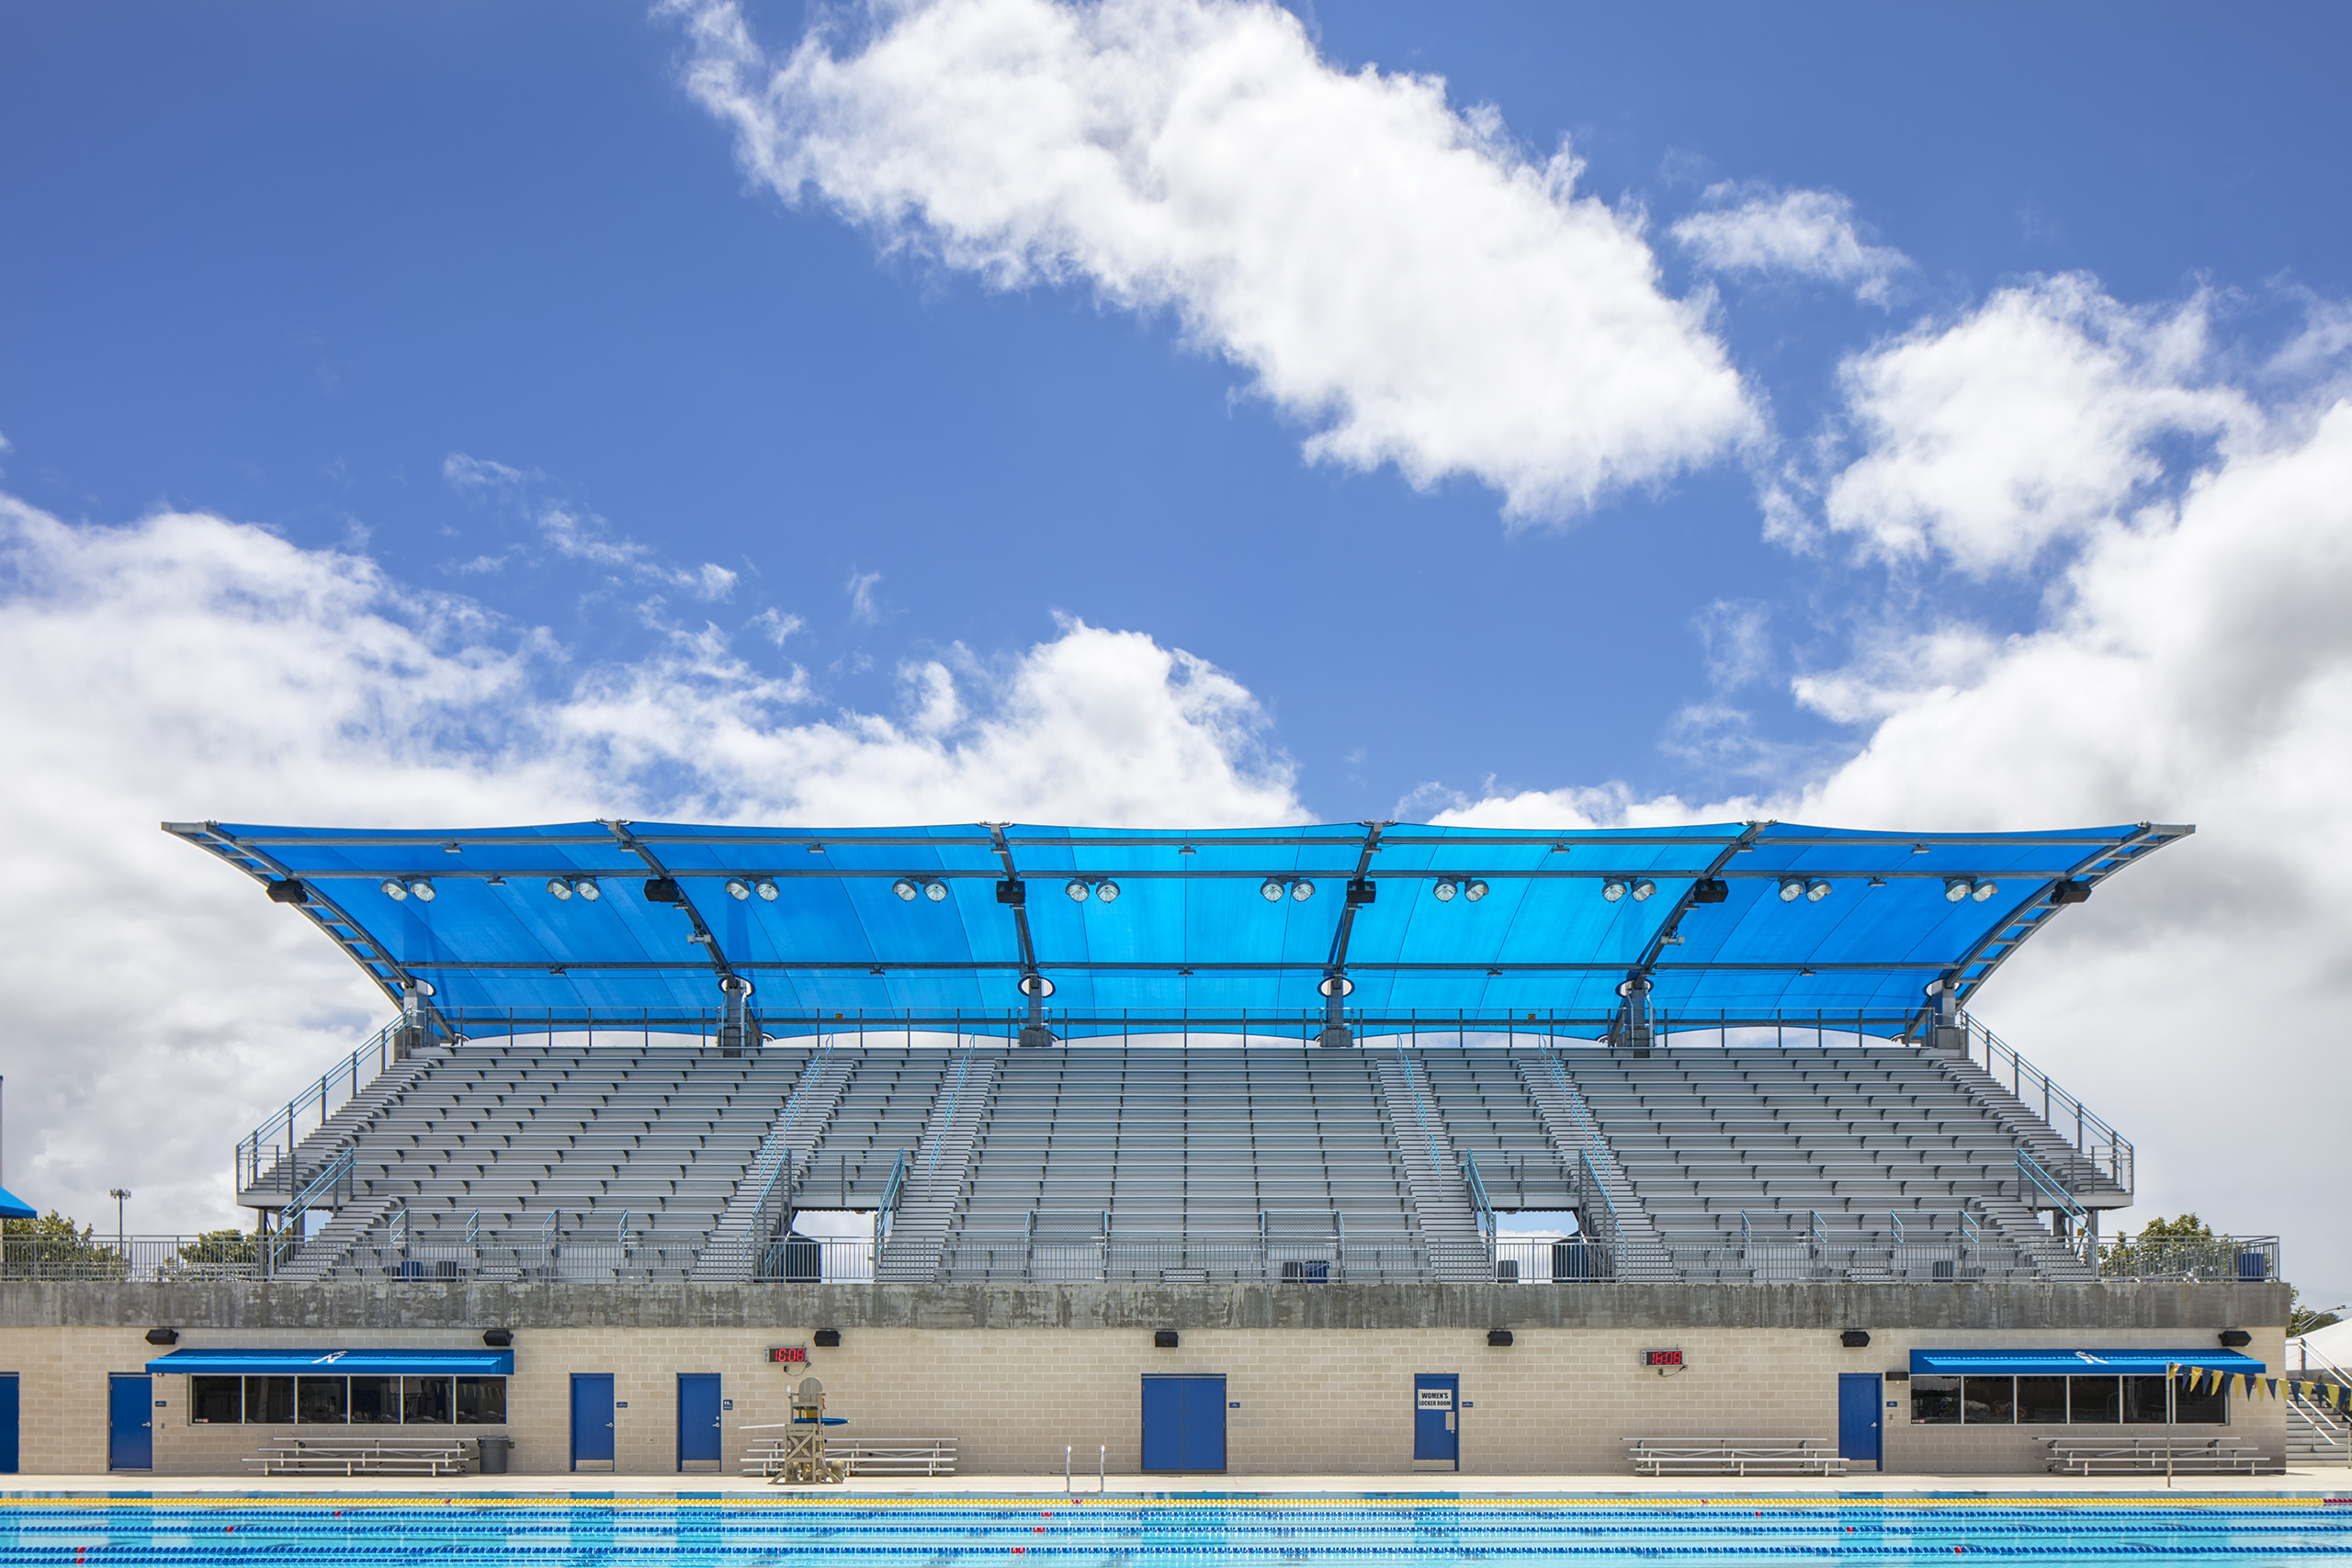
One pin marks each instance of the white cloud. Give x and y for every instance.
(575, 534)
(2037, 419)
(185, 667)
(860, 589)
(2192, 663)
(1737, 634)
(776, 627)
(1810, 233)
(1385, 268)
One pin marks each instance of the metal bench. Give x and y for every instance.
(381, 1456)
(1734, 1456)
(2153, 1456)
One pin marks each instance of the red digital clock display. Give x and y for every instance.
(793, 1353)
(1661, 1358)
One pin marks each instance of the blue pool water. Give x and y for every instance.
(587, 1532)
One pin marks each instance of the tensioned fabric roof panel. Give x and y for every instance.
(2046, 1362)
(1191, 928)
(376, 1360)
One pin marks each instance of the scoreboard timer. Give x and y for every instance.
(1661, 1358)
(796, 1354)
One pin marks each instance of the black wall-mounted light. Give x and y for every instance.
(1163, 1339)
(498, 1338)
(163, 1336)
(1855, 1339)
(829, 1339)
(2235, 1338)
(1498, 1337)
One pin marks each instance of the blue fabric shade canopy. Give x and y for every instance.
(15, 1208)
(1744, 919)
(2076, 1363)
(312, 1363)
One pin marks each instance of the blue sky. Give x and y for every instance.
(281, 264)
(1898, 416)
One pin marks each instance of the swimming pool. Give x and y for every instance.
(1126, 1532)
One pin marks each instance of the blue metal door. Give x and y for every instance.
(1437, 1398)
(8, 1424)
(1858, 1417)
(592, 1419)
(697, 1418)
(131, 1422)
(1183, 1423)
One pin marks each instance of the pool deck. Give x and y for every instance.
(2333, 1482)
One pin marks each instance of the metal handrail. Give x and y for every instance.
(1421, 1113)
(276, 1136)
(2098, 1145)
(765, 1221)
(948, 1112)
(2030, 1171)
(287, 1239)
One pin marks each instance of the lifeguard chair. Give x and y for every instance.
(805, 1464)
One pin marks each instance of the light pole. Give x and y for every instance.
(120, 1195)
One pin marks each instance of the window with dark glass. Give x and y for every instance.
(482, 1401)
(1988, 1402)
(2093, 1401)
(2143, 1401)
(319, 1401)
(216, 1401)
(269, 1399)
(2205, 1407)
(1935, 1400)
(375, 1402)
(425, 1401)
(2042, 1399)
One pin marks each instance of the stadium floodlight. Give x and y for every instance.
(1302, 890)
(934, 891)
(1816, 891)
(1445, 889)
(1107, 890)
(1078, 890)
(765, 889)
(738, 889)
(561, 888)
(905, 889)
(1473, 890)
(1984, 890)
(1955, 889)
(1791, 889)
(1642, 889)
(395, 889)
(1271, 890)
(588, 888)
(421, 888)
(1612, 889)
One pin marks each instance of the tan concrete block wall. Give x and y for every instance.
(1558, 1401)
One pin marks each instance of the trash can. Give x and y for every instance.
(493, 1455)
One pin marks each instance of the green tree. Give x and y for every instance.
(2302, 1319)
(230, 1251)
(53, 1247)
(2162, 1247)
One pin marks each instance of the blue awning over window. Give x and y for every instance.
(315, 1362)
(2076, 1363)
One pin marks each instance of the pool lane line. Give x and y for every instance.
(1240, 1502)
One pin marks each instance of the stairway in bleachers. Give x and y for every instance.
(934, 1181)
(1448, 1223)
(1569, 1124)
(757, 1204)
